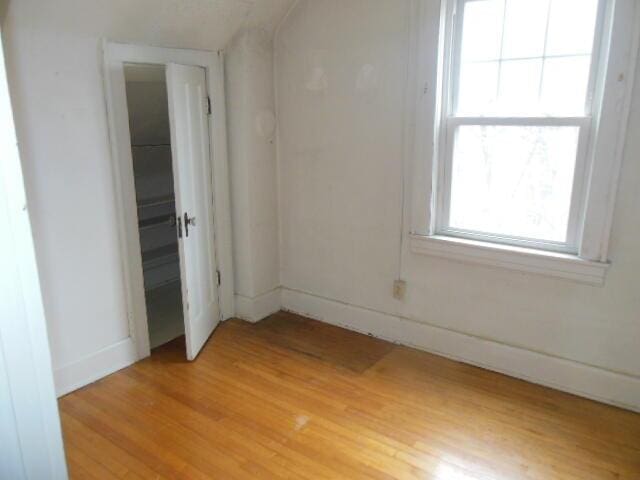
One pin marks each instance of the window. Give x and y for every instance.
(517, 119)
(529, 119)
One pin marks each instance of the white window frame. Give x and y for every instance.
(450, 122)
(603, 131)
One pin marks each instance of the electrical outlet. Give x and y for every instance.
(399, 289)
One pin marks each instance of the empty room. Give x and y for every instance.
(320, 239)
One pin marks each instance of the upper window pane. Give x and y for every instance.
(564, 84)
(571, 27)
(524, 28)
(482, 36)
(519, 85)
(525, 57)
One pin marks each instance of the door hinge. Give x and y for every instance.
(208, 105)
(219, 277)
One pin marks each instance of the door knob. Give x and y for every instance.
(188, 221)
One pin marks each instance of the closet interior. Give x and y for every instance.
(147, 103)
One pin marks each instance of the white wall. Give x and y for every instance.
(30, 436)
(341, 74)
(252, 159)
(55, 72)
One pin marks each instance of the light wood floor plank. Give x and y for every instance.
(290, 398)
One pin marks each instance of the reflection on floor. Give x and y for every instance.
(291, 398)
(164, 313)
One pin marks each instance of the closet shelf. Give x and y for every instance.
(151, 145)
(156, 201)
(166, 252)
(168, 220)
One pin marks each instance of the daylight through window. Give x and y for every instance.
(517, 120)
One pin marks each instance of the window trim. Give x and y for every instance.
(428, 79)
(451, 121)
(554, 264)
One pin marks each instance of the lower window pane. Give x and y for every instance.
(513, 181)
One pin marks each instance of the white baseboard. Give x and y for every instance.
(95, 366)
(566, 375)
(256, 308)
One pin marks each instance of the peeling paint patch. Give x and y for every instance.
(367, 80)
(266, 124)
(317, 80)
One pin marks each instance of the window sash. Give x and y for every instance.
(450, 122)
(577, 196)
(453, 57)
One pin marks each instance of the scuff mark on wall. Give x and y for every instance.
(266, 124)
(316, 78)
(367, 80)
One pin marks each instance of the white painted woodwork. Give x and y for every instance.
(188, 118)
(30, 438)
(116, 55)
(560, 373)
(601, 141)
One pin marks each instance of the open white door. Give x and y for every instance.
(188, 113)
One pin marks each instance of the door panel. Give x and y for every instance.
(189, 122)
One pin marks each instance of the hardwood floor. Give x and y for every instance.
(293, 398)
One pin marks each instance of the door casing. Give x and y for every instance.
(115, 56)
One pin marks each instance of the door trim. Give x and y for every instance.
(115, 55)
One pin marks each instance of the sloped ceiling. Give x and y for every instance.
(268, 13)
(204, 24)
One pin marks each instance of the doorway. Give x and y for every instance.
(148, 108)
(167, 128)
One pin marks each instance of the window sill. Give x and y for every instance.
(551, 264)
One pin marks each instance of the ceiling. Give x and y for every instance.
(201, 24)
